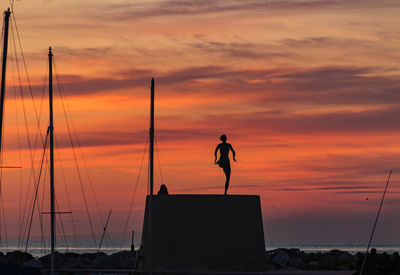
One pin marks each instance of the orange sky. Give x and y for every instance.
(306, 91)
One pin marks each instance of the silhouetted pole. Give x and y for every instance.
(376, 221)
(151, 177)
(152, 137)
(3, 72)
(51, 132)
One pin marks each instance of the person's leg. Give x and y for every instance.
(227, 171)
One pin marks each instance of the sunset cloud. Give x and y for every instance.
(306, 91)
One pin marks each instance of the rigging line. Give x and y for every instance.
(46, 169)
(102, 238)
(76, 162)
(66, 190)
(26, 73)
(37, 187)
(19, 153)
(62, 224)
(2, 219)
(78, 171)
(19, 145)
(21, 92)
(28, 80)
(43, 239)
(36, 198)
(376, 221)
(27, 76)
(134, 191)
(158, 158)
(33, 102)
(2, 212)
(65, 107)
(2, 37)
(113, 245)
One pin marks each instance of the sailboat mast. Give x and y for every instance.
(51, 132)
(7, 14)
(152, 138)
(151, 177)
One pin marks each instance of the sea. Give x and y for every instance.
(38, 249)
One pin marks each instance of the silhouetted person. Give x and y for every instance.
(371, 263)
(163, 190)
(223, 161)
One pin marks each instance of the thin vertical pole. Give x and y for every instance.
(376, 221)
(3, 71)
(151, 177)
(152, 138)
(51, 130)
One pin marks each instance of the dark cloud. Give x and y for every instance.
(365, 192)
(112, 137)
(199, 7)
(241, 50)
(334, 122)
(329, 85)
(376, 96)
(327, 188)
(340, 85)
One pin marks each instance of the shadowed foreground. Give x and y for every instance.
(295, 262)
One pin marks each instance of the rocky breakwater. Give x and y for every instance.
(69, 260)
(377, 263)
(296, 259)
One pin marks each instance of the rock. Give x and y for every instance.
(344, 260)
(35, 263)
(281, 259)
(313, 257)
(125, 259)
(68, 261)
(313, 265)
(335, 252)
(92, 256)
(327, 261)
(297, 262)
(106, 262)
(18, 257)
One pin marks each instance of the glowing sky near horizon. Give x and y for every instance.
(306, 91)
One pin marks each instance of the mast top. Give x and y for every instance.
(50, 51)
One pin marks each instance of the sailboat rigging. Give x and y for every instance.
(51, 132)
(7, 14)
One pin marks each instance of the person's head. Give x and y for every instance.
(223, 138)
(163, 190)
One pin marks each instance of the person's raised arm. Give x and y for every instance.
(233, 152)
(215, 153)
